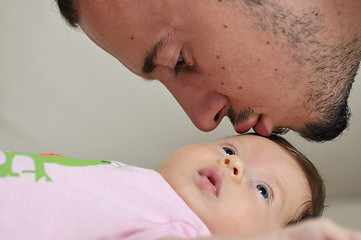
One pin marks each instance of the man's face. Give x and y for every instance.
(217, 60)
(239, 185)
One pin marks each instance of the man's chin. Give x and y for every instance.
(320, 133)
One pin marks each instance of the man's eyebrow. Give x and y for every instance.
(149, 65)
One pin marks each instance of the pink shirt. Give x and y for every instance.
(53, 197)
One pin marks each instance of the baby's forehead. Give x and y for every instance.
(252, 140)
(243, 136)
(262, 151)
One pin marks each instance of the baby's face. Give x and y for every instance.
(258, 186)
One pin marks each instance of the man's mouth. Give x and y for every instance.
(242, 125)
(261, 128)
(211, 179)
(257, 124)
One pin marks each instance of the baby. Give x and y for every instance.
(239, 185)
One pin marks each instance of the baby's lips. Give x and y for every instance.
(208, 185)
(211, 179)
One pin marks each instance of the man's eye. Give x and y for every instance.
(264, 191)
(180, 64)
(229, 151)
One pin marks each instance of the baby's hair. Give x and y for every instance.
(314, 207)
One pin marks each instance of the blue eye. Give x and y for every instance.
(229, 151)
(263, 190)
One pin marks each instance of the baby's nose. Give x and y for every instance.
(235, 165)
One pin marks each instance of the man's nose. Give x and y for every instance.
(199, 99)
(205, 110)
(235, 165)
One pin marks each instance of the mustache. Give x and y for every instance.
(243, 115)
(240, 116)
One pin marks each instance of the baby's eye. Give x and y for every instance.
(264, 191)
(181, 63)
(229, 151)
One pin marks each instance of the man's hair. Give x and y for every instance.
(68, 11)
(314, 207)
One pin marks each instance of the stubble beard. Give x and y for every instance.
(328, 69)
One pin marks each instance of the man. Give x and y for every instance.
(267, 65)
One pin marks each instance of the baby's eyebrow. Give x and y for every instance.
(281, 191)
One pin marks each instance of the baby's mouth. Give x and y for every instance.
(211, 179)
